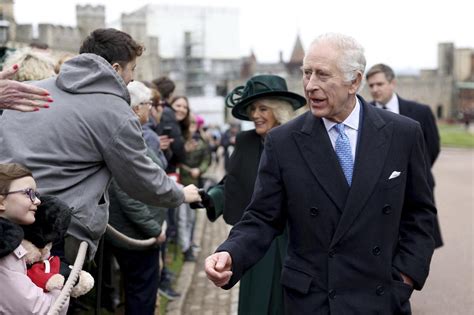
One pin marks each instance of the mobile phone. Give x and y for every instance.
(166, 131)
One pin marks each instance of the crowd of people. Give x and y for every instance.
(329, 195)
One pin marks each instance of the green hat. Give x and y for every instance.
(261, 86)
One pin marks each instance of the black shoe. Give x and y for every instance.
(189, 255)
(168, 293)
(167, 277)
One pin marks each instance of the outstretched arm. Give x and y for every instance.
(20, 96)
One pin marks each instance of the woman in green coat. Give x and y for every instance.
(266, 101)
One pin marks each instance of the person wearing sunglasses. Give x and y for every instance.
(19, 202)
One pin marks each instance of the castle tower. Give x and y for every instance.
(296, 59)
(89, 18)
(6, 10)
(249, 66)
(445, 58)
(7, 14)
(298, 51)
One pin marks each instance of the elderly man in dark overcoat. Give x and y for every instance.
(350, 182)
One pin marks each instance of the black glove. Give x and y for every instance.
(198, 205)
(207, 201)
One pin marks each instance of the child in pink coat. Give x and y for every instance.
(18, 205)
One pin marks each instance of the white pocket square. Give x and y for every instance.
(395, 174)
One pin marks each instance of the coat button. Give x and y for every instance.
(331, 253)
(376, 251)
(314, 211)
(380, 290)
(332, 294)
(387, 209)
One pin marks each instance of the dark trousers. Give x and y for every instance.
(140, 277)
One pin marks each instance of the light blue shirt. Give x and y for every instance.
(351, 128)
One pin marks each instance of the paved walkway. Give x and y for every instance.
(449, 288)
(203, 297)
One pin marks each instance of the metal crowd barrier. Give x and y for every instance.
(66, 291)
(79, 262)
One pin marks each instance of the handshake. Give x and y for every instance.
(206, 201)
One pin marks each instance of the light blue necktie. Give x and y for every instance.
(344, 153)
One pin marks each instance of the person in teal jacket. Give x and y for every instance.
(266, 101)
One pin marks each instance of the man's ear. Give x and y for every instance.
(394, 83)
(136, 109)
(117, 67)
(355, 84)
(2, 204)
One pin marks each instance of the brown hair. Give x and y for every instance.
(381, 68)
(186, 122)
(112, 45)
(155, 97)
(165, 86)
(9, 172)
(155, 94)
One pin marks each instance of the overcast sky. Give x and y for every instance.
(402, 33)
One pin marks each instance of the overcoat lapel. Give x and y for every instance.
(316, 149)
(403, 107)
(371, 154)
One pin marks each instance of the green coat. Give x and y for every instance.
(132, 217)
(199, 158)
(260, 288)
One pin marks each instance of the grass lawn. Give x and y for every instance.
(174, 264)
(455, 135)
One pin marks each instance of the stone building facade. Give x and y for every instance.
(62, 39)
(58, 38)
(135, 24)
(448, 89)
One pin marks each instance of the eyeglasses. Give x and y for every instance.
(159, 104)
(147, 103)
(30, 192)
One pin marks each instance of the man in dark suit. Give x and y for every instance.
(360, 229)
(381, 81)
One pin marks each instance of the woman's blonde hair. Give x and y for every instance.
(33, 65)
(282, 110)
(62, 59)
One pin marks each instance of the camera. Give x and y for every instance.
(166, 131)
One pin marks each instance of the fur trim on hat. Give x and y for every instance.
(11, 235)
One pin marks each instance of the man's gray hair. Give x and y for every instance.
(139, 93)
(352, 58)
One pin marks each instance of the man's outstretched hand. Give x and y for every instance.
(191, 194)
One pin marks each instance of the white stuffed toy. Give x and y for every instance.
(49, 272)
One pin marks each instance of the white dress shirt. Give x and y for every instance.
(392, 104)
(351, 128)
